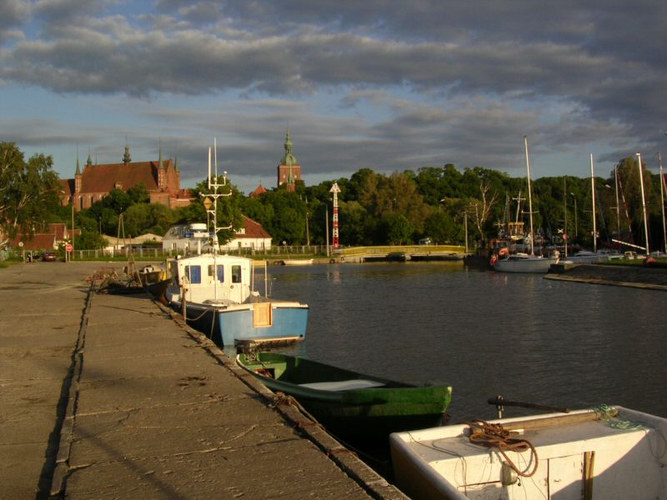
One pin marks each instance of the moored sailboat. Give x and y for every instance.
(522, 262)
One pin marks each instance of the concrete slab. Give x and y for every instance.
(153, 409)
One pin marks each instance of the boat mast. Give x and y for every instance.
(530, 198)
(641, 182)
(662, 203)
(595, 236)
(618, 204)
(215, 185)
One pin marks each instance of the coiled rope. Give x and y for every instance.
(497, 437)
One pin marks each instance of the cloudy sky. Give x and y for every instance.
(388, 85)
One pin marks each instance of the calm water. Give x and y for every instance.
(525, 337)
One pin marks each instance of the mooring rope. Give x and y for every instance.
(496, 436)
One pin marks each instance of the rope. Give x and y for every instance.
(609, 415)
(496, 436)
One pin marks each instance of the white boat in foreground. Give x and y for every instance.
(588, 454)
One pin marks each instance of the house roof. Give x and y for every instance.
(67, 187)
(253, 229)
(259, 190)
(104, 178)
(39, 241)
(58, 229)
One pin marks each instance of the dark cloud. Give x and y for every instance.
(404, 82)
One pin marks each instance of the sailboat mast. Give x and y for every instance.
(595, 235)
(662, 203)
(641, 183)
(530, 198)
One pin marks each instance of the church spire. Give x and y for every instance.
(126, 155)
(78, 167)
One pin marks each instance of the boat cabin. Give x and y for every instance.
(212, 278)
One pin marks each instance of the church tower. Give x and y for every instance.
(78, 178)
(289, 170)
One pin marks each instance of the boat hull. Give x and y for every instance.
(529, 264)
(350, 405)
(576, 453)
(225, 326)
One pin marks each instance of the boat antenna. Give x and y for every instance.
(214, 184)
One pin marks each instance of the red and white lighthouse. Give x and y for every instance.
(335, 190)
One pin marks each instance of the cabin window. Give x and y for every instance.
(193, 273)
(221, 274)
(236, 274)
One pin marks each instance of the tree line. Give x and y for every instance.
(374, 208)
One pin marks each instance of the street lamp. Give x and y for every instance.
(576, 226)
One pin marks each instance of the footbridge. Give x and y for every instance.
(401, 253)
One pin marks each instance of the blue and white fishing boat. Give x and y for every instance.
(216, 295)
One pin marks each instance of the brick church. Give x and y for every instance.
(289, 170)
(161, 178)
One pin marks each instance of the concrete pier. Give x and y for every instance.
(112, 397)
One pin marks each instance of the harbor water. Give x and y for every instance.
(523, 337)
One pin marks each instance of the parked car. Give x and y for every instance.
(50, 257)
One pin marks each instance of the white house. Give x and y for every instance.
(193, 238)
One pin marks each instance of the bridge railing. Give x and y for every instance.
(408, 249)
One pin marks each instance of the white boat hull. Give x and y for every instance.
(605, 458)
(525, 264)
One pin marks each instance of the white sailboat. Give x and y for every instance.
(522, 262)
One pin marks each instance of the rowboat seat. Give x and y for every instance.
(343, 385)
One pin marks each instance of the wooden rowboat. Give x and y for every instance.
(608, 452)
(349, 404)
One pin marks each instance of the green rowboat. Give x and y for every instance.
(349, 404)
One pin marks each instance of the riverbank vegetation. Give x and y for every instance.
(375, 208)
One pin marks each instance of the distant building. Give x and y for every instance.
(259, 191)
(162, 180)
(191, 238)
(56, 235)
(289, 170)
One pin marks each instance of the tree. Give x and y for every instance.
(90, 240)
(440, 227)
(27, 191)
(397, 229)
(480, 209)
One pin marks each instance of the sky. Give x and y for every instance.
(379, 84)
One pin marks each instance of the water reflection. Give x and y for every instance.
(527, 338)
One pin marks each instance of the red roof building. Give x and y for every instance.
(56, 234)
(259, 191)
(161, 178)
